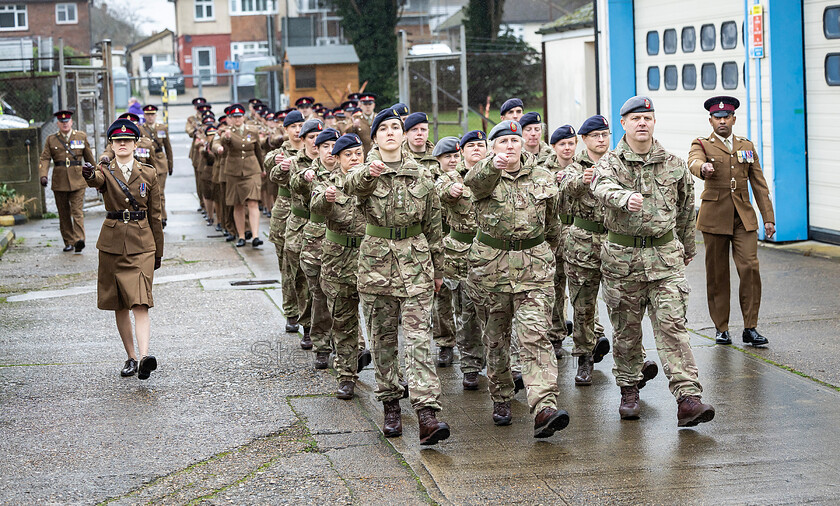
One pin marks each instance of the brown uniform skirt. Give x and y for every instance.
(125, 281)
(239, 189)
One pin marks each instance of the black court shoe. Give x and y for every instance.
(723, 337)
(129, 369)
(79, 246)
(240, 242)
(147, 365)
(256, 242)
(69, 247)
(751, 336)
(248, 235)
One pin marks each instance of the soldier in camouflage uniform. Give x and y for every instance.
(302, 183)
(582, 240)
(511, 272)
(455, 198)
(340, 259)
(295, 223)
(294, 303)
(532, 133)
(400, 267)
(648, 194)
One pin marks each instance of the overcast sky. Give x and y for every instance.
(156, 14)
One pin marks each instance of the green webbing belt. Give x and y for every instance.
(347, 241)
(394, 233)
(465, 237)
(510, 245)
(300, 212)
(445, 226)
(640, 242)
(590, 226)
(283, 192)
(317, 218)
(566, 219)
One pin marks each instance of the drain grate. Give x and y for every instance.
(254, 282)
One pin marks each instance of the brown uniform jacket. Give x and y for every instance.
(363, 131)
(132, 237)
(244, 155)
(67, 171)
(725, 192)
(162, 153)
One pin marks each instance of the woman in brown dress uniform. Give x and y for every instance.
(243, 172)
(130, 243)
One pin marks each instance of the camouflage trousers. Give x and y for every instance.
(583, 291)
(665, 301)
(382, 314)
(443, 320)
(277, 235)
(468, 328)
(321, 322)
(291, 264)
(347, 340)
(558, 313)
(530, 313)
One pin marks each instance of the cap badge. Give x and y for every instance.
(647, 104)
(513, 127)
(571, 130)
(720, 105)
(122, 129)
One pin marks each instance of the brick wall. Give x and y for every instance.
(221, 41)
(41, 19)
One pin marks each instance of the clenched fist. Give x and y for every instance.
(309, 175)
(500, 161)
(87, 170)
(634, 203)
(329, 194)
(456, 190)
(588, 174)
(286, 164)
(278, 158)
(104, 160)
(376, 167)
(707, 169)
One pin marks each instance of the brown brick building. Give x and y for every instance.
(67, 19)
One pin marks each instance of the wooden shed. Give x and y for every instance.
(321, 72)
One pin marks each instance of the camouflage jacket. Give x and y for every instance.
(513, 207)
(461, 218)
(425, 159)
(275, 173)
(398, 198)
(668, 190)
(339, 264)
(302, 195)
(544, 153)
(299, 162)
(581, 247)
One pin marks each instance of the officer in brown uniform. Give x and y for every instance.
(67, 149)
(130, 243)
(727, 219)
(243, 171)
(363, 119)
(162, 154)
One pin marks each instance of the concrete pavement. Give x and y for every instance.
(237, 414)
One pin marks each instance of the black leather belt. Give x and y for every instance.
(72, 163)
(127, 215)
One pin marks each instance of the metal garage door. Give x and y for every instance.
(822, 84)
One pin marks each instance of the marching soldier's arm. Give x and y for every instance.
(155, 215)
(686, 217)
(571, 182)
(167, 146)
(606, 188)
(298, 183)
(433, 230)
(268, 160)
(483, 178)
(696, 158)
(190, 128)
(280, 176)
(552, 223)
(319, 203)
(761, 192)
(44, 161)
(98, 179)
(360, 183)
(259, 152)
(443, 185)
(109, 152)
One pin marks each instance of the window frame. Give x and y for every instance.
(676, 75)
(647, 42)
(692, 30)
(237, 7)
(703, 81)
(714, 36)
(664, 43)
(722, 45)
(205, 5)
(314, 77)
(729, 64)
(74, 21)
(682, 74)
(825, 68)
(825, 32)
(16, 11)
(658, 77)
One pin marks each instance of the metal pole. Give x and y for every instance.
(465, 101)
(747, 69)
(433, 76)
(109, 81)
(401, 67)
(62, 78)
(200, 86)
(235, 91)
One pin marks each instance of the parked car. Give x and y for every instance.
(173, 74)
(246, 79)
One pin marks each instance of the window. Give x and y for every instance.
(689, 76)
(832, 69)
(831, 22)
(689, 39)
(238, 49)
(305, 6)
(729, 75)
(708, 37)
(204, 10)
(65, 14)
(728, 35)
(669, 41)
(670, 77)
(653, 78)
(13, 17)
(248, 7)
(653, 43)
(305, 76)
(708, 76)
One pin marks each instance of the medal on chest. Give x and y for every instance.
(77, 145)
(142, 152)
(749, 156)
(161, 134)
(143, 190)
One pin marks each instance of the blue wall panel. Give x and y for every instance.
(622, 60)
